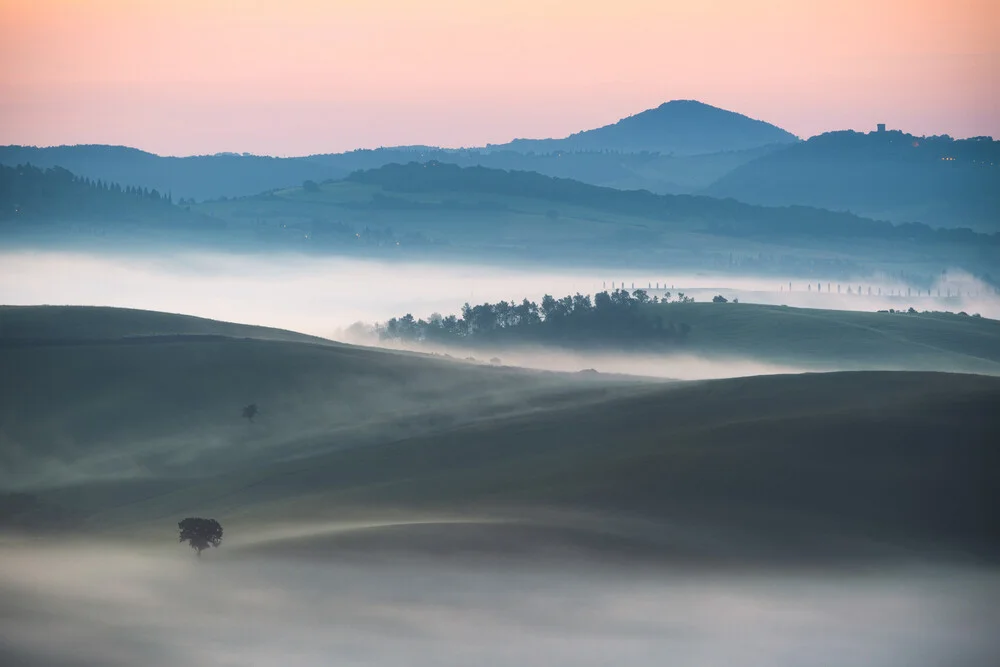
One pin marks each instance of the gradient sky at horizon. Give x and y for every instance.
(295, 77)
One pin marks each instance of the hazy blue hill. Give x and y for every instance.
(725, 217)
(212, 177)
(197, 177)
(682, 127)
(635, 153)
(891, 175)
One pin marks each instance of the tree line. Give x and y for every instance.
(31, 193)
(608, 317)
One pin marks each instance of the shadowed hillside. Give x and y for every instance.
(84, 386)
(783, 467)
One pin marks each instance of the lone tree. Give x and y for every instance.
(200, 533)
(250, 411)
(718, 298)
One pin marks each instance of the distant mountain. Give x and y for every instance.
(214, 177)
(890, 175)
(198, 177)
(706, 144)
(680, 127)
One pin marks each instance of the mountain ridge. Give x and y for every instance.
(645, 164)
(686, 127)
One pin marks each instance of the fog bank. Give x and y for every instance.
(320, 295)
(128, 604)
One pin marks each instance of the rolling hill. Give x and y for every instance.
(820, 466)
(446, 208)
(178, 385)
(442, 210)
(440, 188)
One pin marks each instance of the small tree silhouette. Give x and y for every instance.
(200, 533)
(250, 411)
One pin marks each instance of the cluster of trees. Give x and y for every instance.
(609, 317)
(30, 193)
(913, 311)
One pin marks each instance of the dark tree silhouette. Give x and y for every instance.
(718, 298)
(572, 320)
(200, 533)
(250, 411)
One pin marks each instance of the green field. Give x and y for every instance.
(126, 435)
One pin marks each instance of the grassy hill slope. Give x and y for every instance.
(793, 464)
(80, 401)
(50, 323)
(846, 339)
(819, 466)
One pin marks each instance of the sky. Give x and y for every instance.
(295, 77)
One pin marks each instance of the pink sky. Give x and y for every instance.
(295, 77)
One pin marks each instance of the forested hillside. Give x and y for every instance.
(29, 194)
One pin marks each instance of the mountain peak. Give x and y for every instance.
(682, 127)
